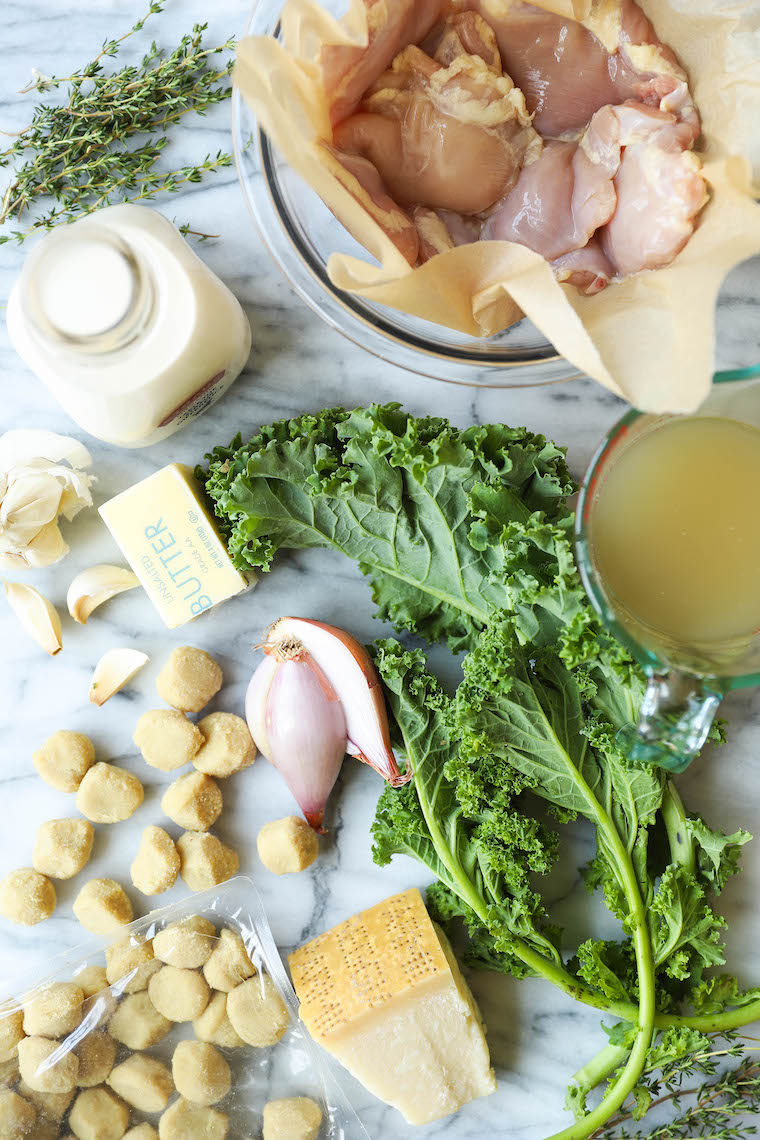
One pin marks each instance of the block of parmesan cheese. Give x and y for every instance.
(383, 994)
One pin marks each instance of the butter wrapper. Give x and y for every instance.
(171, 542)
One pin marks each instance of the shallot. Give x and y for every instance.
(315, 697)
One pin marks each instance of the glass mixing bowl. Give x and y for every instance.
(301, 233)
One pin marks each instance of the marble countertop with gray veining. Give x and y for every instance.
(537, 1037)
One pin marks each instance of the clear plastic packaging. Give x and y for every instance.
(292, 1067)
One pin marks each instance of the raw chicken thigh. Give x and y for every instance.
(629, 180)
(453, 138)
(468, 120)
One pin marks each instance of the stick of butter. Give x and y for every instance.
(383, 994)
(171, 542)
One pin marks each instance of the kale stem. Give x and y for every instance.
(600, 1067)
(674, 817)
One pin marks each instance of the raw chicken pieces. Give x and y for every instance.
(452, 138)
(499, 120)
(629, 180)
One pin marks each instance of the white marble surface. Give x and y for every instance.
(537, 1037)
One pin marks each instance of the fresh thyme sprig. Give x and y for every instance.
(103, 144)
(721, 1107)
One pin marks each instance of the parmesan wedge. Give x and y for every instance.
(383, 994)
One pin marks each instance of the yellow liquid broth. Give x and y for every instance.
(675, 531)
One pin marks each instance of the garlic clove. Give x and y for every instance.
(115, 669)
(38, 616)
(47, 547)
(96, 585)
(349, 670)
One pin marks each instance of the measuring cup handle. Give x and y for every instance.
(674, 721)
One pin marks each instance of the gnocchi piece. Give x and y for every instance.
(137, 1023)
(185, 1121)
(98, 1115)
(27, 897)
(96, 1053)
(156, 864)
(142, 1081)
(131, 963)
(180, 995)
(200, 1072)
(109, 794)
(64, 758)
(167, 739)
(141, 1132)
(92, 980)
(45, 1129)
(294, 1118)
(17, 1116)
(63, 847)
(287, 845)
(54, 1011)
(214, 1025)
(9, 1072)
(229, 964)
(188, 943)
(193, 801)
(189, 679)
(102, 906)
(11, 1029)
(205, 861)
(257, 1012)
(36, 1068)
(227, 745)
(51, 1105)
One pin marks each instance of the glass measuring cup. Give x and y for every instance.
(686, 683)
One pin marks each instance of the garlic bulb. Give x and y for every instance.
(41, 478)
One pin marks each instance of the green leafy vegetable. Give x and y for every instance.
(465, 536)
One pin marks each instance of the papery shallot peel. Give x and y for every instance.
(349, 669)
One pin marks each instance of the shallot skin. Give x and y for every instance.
(299, 725)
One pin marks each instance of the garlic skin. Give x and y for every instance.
(36, 487)
(115, 669)
(38, 616)
(96, 585)
(298, 724)
(351, 673)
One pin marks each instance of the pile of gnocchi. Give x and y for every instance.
(74, 1055)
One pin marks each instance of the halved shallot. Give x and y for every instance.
(347, 666)
(315, 697)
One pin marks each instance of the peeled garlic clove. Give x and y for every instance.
(94, 586)
(38, 616)
(115, 670)
(349, 670)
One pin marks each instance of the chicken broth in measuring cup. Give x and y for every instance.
(675, 530)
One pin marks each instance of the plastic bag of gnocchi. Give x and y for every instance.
(182, 1026)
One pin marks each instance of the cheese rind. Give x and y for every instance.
(171, 542)
(383, 994)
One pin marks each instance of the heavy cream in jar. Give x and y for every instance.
(128, 328)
